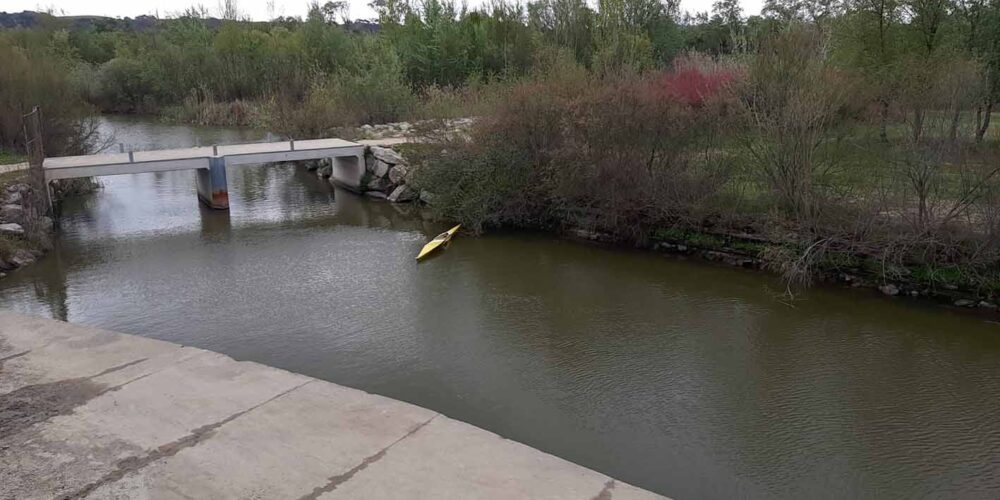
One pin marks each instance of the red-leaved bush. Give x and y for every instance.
(692, 87)
(695, 79)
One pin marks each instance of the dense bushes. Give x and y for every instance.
(617, 152)
(38, 76)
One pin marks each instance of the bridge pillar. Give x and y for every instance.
(213, 188)
(348, 171)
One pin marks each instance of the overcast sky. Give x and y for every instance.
(257, 9)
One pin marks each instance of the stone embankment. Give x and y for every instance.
(21, 228)
(388, 174)
(88, 413)
(415, 129)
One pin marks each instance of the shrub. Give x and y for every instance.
(613, 152)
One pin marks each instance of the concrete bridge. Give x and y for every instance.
(210, 162)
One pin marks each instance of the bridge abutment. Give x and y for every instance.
(213, 188)
(348, 171)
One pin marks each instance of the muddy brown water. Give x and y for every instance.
(689, 379)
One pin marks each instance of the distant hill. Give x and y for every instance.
(32, 19)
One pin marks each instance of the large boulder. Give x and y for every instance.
(378, 184)
(402, 194)
(22, 258)
(381, 168)
(387, 155)
(397, 174)
(12, 213)
(11, 229)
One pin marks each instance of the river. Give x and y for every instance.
(693, 380)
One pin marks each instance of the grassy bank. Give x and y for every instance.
(770, 163)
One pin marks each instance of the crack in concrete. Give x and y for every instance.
(119, 367)
(340, 479)
(605, 493)
(196, 437)
(12, 356)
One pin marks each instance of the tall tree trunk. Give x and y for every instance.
(985, 125)
(955, 118)
(918, 124)
(883, 120)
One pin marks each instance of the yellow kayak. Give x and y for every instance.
(441, 239)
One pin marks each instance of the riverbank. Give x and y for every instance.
(25, 234)
(88, 413)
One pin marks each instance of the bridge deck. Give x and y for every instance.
(67, 167)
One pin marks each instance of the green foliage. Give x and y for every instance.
(37, 75)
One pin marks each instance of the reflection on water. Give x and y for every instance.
(677, 376)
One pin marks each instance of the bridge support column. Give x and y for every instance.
(213, 188)
(348, 171)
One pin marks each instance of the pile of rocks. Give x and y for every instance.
(386, 175)
(407, 129)
(15, 216)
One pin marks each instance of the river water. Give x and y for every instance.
(688, 379)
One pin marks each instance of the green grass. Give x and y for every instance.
(8, 157)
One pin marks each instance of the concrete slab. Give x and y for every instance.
(324, 429)
(86, 413)
(448, 459)
(67, 167)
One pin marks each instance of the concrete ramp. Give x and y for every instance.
(87, 413)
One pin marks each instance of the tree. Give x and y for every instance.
(565, 23)
(872, 43)
(979, 25)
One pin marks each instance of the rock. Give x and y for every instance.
(11, 228)
(376, 194)
(682, 248)
(370, 163)
(964, 303)
(914, 293)
(325, 171)
(387, 155)
(44, 223)
(402, 194)
(12, 213)
(22, 258)
(13, 198)
(366, 127)
(890, 289)
(404, 126)
(378, 184)
(381, 168)
(950, 287)
(987, 305)
(427, 197)
(397, 174)
(3, 275)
